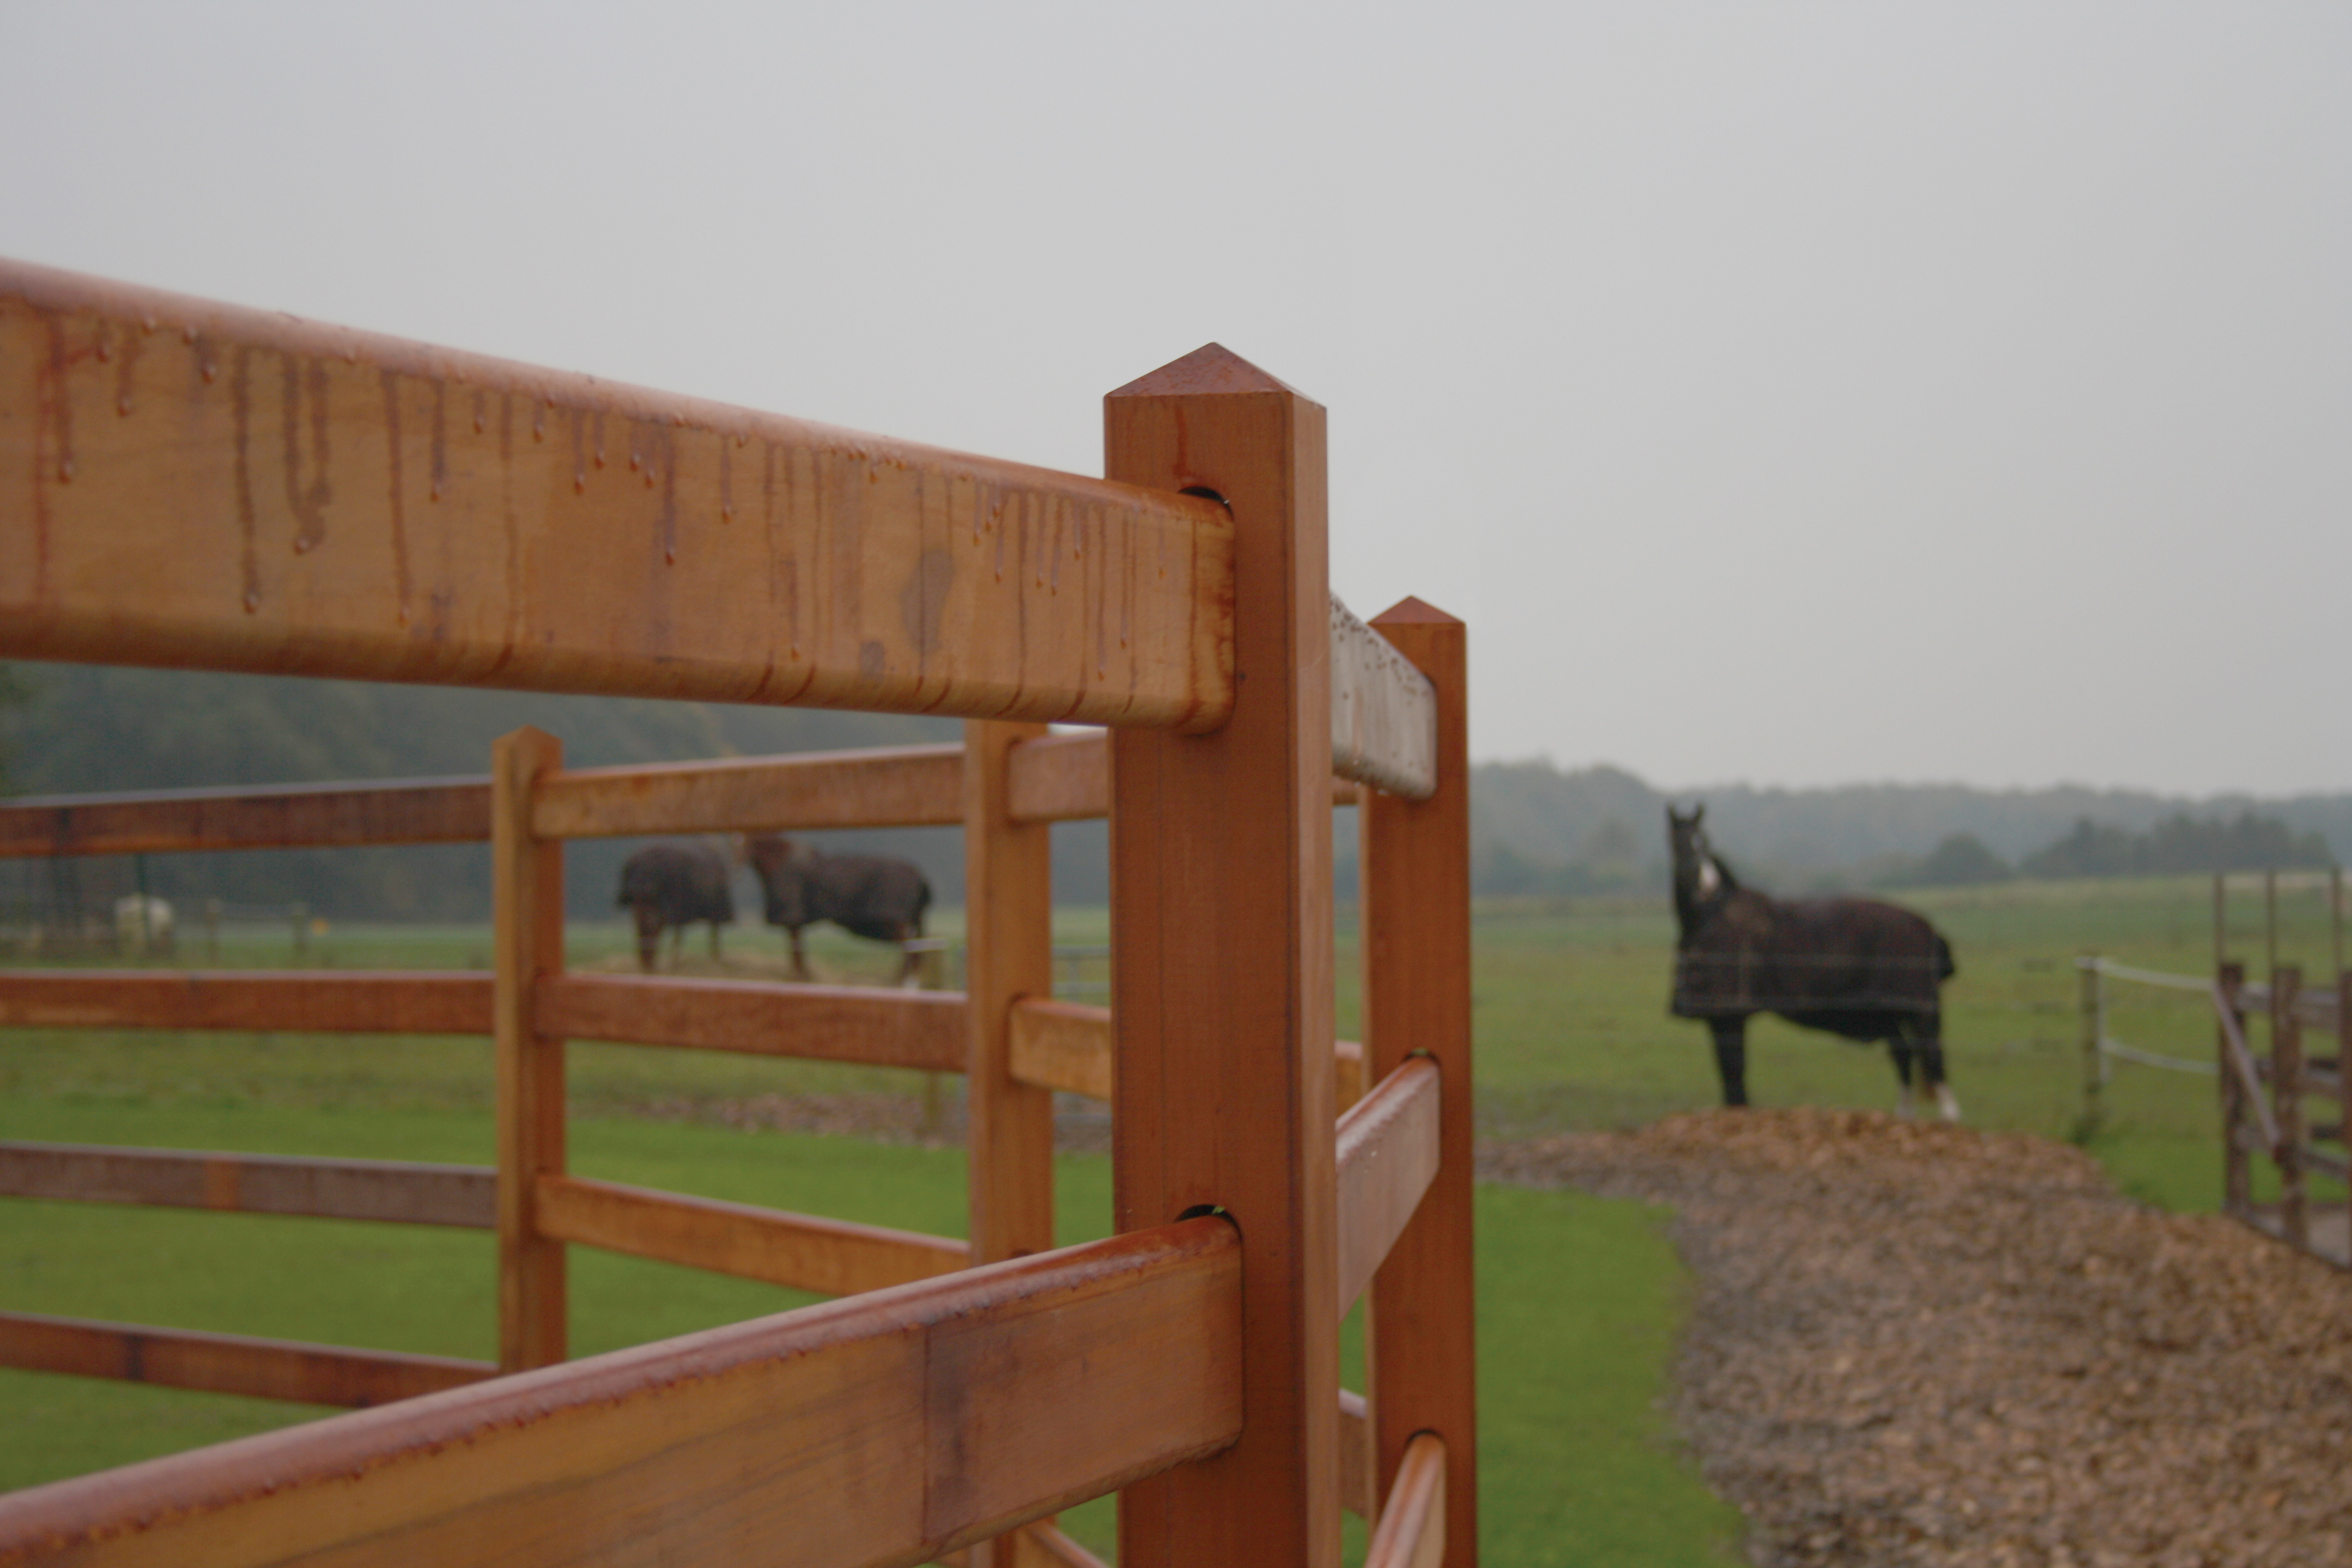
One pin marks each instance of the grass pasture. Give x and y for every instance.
(1581, 1298)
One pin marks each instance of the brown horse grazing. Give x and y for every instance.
(1853, 967)
(872, 896)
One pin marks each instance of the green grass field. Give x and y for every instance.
(1581, 1298)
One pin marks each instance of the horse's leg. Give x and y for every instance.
(714, 941)
(1731, 1056)
(1931, 1058)
(800, 958)
(1898, 1047)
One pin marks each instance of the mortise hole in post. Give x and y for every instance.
(1206, 1211)
(1205, 493)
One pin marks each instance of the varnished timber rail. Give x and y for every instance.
(899, 786)
(1383, 712)
(395, 1190)
(887, 1429)
(226, 1363)
(1412, 1531)
(801, 1252)
(1067, 778)
(1067, 1046)
(923, 1029)
(334, 503)
(302, 1001)
(1387, 1158)
(409, 811)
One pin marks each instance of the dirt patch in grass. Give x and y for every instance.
(1920, 1344)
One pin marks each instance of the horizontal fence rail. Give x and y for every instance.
(404, 1191)
(1383, 712)
(1387, 1158)
(1412, 1533)
(900, 786)
(227, 1364)
(336, 503)
(922, 1029)
(302, 1001)
(298, 816)
(883, 1430)
(801, 1252)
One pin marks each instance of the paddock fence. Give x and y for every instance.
(196, 486)
(2263, 1096)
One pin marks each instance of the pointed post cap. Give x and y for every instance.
(1412, 612)
(1208, 370)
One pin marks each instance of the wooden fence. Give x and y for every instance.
(2263, 1101)
(189, 485)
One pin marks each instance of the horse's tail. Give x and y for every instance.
(1945, 967)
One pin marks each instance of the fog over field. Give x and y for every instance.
(1804, 392)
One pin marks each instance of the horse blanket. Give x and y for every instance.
(1816, 957)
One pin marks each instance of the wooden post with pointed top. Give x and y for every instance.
(527, 874)
(1221, 973)
(1415, 882)
(1008, 954)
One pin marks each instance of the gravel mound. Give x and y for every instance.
(1923, 1345)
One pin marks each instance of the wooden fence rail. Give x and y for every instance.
(189, 485)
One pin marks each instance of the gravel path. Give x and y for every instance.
(1920, 1344)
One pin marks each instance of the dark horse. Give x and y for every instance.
(1854, 967)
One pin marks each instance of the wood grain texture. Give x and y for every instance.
(1008, 955)
(407, 811)
(302, 1001)
(1058, 778)
(1222, 981)
(1067, 778)
(395, 1190)
(899, 786)
(527, 941)
(922, 1029)
(884, 1430)
(1064, 1046)
(1414, 892)
(801, 1252)
(191, 485)
(1383, 712)
(228, 1363)
(1387, 1155)
(1008, 958)
(1413, 1531)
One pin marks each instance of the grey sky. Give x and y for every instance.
(1795, 393)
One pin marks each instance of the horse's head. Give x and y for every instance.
(1698, 876)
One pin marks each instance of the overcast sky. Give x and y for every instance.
(1789, 393)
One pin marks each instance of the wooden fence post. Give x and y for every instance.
(2092, 1007)
(1221, 966)
(2287, 1101)
(1008, 954)
(2237, 1178)
(528, 903)
(1415, 882)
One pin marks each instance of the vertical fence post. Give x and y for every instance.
(2237, 1178)
(2092, 1006)
(1008, 954)
(1415, 891)
(527, 874)
(1221, 966)
(2286, 1103)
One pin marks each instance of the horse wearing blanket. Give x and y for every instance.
(1854, 967)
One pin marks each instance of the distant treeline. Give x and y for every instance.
(2178, 845)
(1535, 828)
